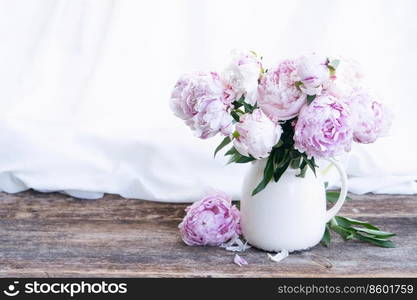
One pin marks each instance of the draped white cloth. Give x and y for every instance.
(84, 89)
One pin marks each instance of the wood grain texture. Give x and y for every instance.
(53, 235)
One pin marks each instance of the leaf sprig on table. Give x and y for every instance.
(350, 229)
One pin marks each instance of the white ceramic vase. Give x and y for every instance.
(289, 214)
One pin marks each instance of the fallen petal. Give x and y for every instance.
(279, 256)
(246, 246)
(230, 243)
(240, 261)
(236, 245)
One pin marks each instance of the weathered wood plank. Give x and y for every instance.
(56, 235)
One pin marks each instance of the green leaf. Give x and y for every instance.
(303, 172)
(241, 99)
(310, 98)
(235, 115)
(231, 151)
(233, 158)
(268, 173)
(326, 239)
(311, 163)
(241, 102)
(278, 154)
(269, 167)
(225, 142)
(295, 162)
(378, 242)
(279, 144)
(244, 159)
(248, 108)
(259, 187)
(345, 233)
(326, 184)
(236, 157)
(333, 196)
(283, 159)
(370, 234)
(303, 168)
(376, 233)
(347, 222)
(279, 171)
(237, 104)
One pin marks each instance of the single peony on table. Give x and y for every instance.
(211, 221)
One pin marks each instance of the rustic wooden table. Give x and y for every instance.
(49, 235)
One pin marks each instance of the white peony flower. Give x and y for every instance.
(241, 75)
(313, 73)
(257, 135)
(348, 77)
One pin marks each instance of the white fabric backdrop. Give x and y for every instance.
(84, 87)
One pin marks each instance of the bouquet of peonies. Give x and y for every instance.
(303, 109)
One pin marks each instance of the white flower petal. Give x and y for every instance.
(235, 245)
(279, 256)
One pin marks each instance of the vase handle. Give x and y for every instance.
(343, 191)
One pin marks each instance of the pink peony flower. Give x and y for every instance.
(278, 96)
(324, 128)
(313, 73)
(199, 100)
(257, 135)
(241, 76)
(211, 221)
(372, 119)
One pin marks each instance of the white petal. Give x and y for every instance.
(236, 245)
(279, 256)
